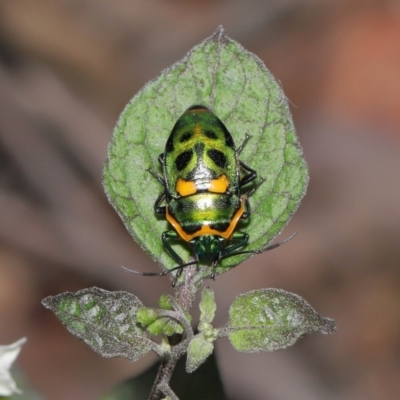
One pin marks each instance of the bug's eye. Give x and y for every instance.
(210, 134)
(183, 160)
(185, 137)
(218, 158)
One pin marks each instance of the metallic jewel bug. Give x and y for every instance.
(205, 195)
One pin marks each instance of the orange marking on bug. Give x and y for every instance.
(206, 229)
(185, 188)
(219, 185)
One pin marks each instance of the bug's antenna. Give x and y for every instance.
(179, 267)
(270, 247)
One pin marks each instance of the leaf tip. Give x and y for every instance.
(219, 34)
(46, 302)
(328, 326)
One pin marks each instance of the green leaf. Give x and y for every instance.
(166, 302)
(104, 320)
(157, 323)
(272, 319)
(165, 326)
(207, 305)
(198, 350)
(234, 83)
(146, 315)
(201, 346)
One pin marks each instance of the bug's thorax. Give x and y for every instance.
(207, 248)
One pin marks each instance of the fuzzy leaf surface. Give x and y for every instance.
(272, 319)
(198, 350)
(104, 320)
(221, 75)
(207, 305)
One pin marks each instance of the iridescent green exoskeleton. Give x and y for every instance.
(204, 195)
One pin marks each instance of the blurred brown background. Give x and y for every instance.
(67, 68)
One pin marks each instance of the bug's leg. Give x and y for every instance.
(253, 189)
(250, 175)
(164, 238)
(156, 176)
(214, 269)
(158, 209)
(241, 238)
(171, 234)
(247, 212)
(245, 140)
(245, 198)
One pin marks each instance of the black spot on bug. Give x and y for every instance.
(228, 137)
(185, 137)
(210, 134)
(228, 140)
(183, 160)
(218, 157)
(220, 227)
(191, 229)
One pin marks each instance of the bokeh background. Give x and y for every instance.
(67, 68)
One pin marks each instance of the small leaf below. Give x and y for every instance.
(104, 320)
(207, 305)
(272, 319)
(198, 350)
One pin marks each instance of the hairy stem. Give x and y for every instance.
(183, 300)
(164, 374)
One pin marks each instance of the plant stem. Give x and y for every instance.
(164, 374)
(184, 297)
(186, 292)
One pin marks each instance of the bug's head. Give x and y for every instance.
(208, 248)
